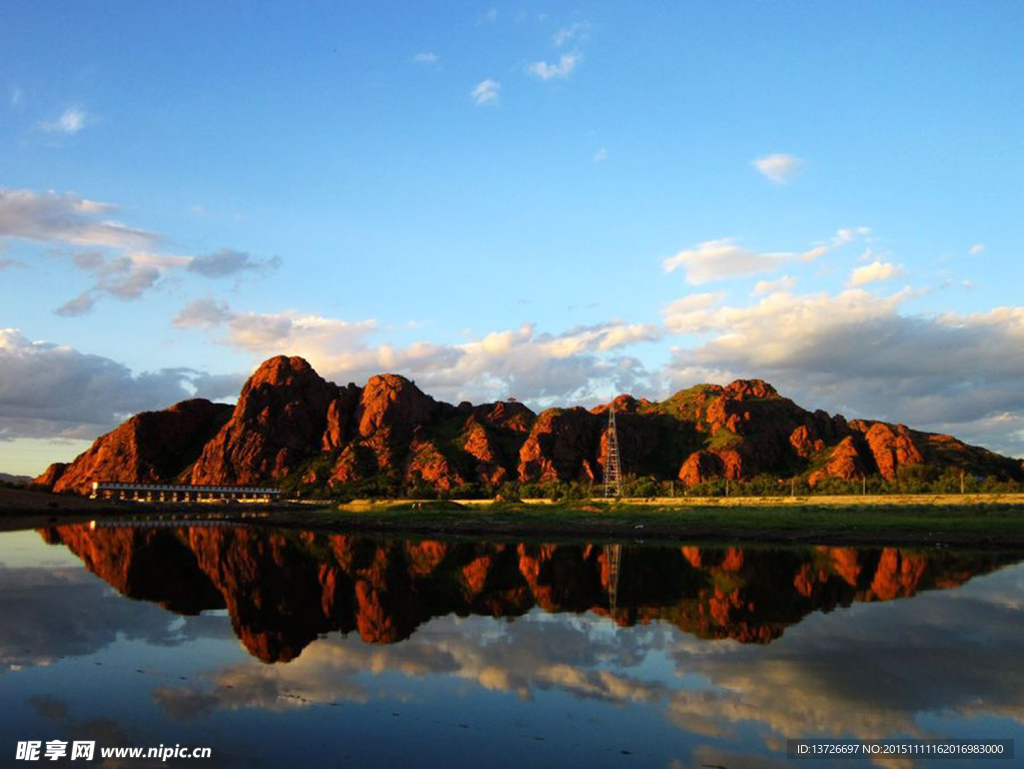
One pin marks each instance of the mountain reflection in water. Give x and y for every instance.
(285, 588)
(389, 651)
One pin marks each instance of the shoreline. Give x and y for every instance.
(981, 521)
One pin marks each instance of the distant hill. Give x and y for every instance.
(293, 428)
(18, 480)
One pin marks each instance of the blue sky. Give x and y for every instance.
(552, 201)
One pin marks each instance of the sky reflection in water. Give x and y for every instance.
(383, 652)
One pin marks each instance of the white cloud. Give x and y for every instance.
(575, 31)
(486, 92)
(720, 259)
(427, 57)
(601, 155)
(573, 365)
(296, 333)
(843, 236)
(779, 168)
(70, 122)
(689, 315)
(977, 248)
(723, 258)
(873, 273)
(785, 283)
(567, 62)
(16, 97)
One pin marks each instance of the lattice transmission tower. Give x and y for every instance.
(612, 465)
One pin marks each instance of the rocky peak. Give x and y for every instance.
(278, 422)
(746, 389)
(393, 403)
(511, 415)
(288, 379)
(623, 404)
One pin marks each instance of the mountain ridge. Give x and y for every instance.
(293, 428)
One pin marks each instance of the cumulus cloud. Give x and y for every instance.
(486, 92)
(977, 248)
(70, 122)
(54, 391)
(724, 258)
(720, 259)
(689, 315)
(778, 168)
(576, 364)
(567, 62)
(785, 283)
(863, 355)
(427, 57)
(873, 273)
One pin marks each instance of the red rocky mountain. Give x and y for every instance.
(150, 447)
(291, 425)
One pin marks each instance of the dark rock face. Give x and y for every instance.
(563, 445)
(341, 417)
(283, 590)
(892, 448)
(700, 466)
(846, 461)
(154, 446)
(390, 410)
(289, 422)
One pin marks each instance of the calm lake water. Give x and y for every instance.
(293, 648)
